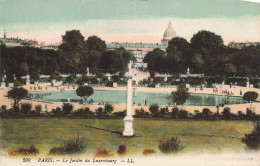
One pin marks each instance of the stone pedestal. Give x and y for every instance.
(128, 131)
(11, 85)
(28, 80)
(114, 84)
(2, 85)
(247, 85)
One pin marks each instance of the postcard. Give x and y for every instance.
(130, 82)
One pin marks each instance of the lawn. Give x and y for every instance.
(197, 137)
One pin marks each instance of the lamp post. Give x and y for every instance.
(128, 120)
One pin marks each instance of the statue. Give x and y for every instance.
(188, 71)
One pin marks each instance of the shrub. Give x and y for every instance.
(38, 108)
(99, 111)
(121, 149)
(206, 113)
(83, 112)
(108, 108)
(120, 113)
(3, 107)
(26, 107)
(148, 151)
(253, 140)
(103, 153)
(57, 151)
(139, 113)
(154, 109)
(25, 151)
(183, 114)
(198, 115)
(57, 111)
(67, 108)
(174, 113)
(226, 113)
(164, 111)
(241, 115)
(70, 146)
(169, 145)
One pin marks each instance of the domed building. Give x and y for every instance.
(169, 33)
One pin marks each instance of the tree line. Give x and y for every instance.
(205, 53)
(73, 56)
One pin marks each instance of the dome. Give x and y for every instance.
(169, 33)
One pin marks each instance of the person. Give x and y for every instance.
(46, 110)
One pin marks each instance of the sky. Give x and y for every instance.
(129, 20)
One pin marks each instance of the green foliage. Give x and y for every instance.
(206, 39)
(183, 114)
(206, 113)
(169, 145)
(67, 108)
(115, 78)
(38, 108)
(55, 75)
(17, 94)
(180, 95)
(70, 146)
(99, 111)
(83, 112)
(25, 151)
(253, 140)
(250, 96)
(113, 61)
(108, 109)
(3, 107)
(164, 111)
(84, 92)
(174, 113)
(154, 109)
(26, 107)
(226, 113)
(57, 112)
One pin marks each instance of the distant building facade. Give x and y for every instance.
(139, 50)
(241, 45)
(17, 42)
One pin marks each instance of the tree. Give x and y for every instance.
(71, 51)
(250, 96)
(17, 94)
(156, 60)
(113, 61)
(84, 92)
(206, 39)
(180, 95)
(197, 63)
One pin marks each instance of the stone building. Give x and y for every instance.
(169, 33)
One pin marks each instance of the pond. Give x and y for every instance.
(119, 96)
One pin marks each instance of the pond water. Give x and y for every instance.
(119, 96)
